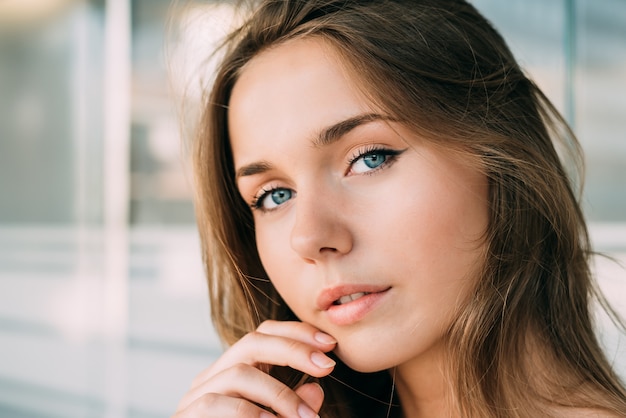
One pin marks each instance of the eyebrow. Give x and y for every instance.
(335, 132)
(327, 136)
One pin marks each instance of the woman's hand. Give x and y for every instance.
(235, 385)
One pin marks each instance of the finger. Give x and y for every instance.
(300, 331)
(214, 405)
(260, 348)
(257, 348)
(249, 383)
(247, 349)
(312, 394)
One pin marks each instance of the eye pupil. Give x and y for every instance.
(280, 196)
(373, 160)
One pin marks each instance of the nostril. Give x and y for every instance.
(318, 233)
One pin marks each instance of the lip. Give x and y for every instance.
(354, 311)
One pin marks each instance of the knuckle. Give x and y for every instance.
(304, 326)
(240, 370)
(244, 409)
(251, 336)
(294, 346)
(284, 394)
(251, 339)
(265, 325)
(207, 401)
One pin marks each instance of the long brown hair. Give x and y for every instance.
(440, 68)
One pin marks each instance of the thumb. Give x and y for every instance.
(312, 394)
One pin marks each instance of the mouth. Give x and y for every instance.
(349, 298)
(345, 294)
(350, 304)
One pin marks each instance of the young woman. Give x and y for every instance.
(387, 228)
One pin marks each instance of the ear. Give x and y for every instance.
(312, 394)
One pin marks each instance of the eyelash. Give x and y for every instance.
(370, 150)
(373, 150)
(260, 196)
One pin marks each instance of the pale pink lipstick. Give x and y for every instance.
(347, 304)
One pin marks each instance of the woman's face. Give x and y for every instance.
(368, 232)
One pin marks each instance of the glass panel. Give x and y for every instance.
(51, 209)
(600, 97)
(50, 72)
(160, 189)
(600, 106)
(535, 32)
(93, 314)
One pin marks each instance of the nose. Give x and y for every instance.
(320, 228)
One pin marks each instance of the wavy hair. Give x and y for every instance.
(440, 68)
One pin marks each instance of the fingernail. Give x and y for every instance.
(319, 387)
(321, 360)
(266, 415)
(304, 411)
(323, 338)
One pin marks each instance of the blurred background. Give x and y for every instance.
(103, 306)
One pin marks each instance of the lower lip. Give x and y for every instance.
(352, 312)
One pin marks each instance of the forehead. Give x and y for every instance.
(289, 67)
(291, 90)
(304, 56)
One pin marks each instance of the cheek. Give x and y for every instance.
(276, 255)
(439, 229)
(269, 247)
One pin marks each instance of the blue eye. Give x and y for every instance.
(372, 160)
(271, 199)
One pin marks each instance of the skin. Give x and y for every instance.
(235, 382)
(372, 207)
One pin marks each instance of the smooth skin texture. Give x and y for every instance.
(346, 200)
(235, 383)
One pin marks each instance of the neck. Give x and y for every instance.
(425, 391)
(422, 387)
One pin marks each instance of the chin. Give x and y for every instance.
(362, 362)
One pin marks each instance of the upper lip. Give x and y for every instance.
(329, 295)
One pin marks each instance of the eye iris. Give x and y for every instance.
(373, 160)
(280, 196)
